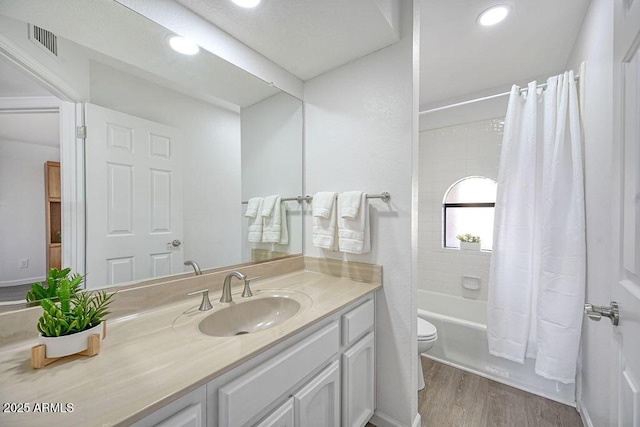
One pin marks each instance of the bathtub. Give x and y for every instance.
(462, 343)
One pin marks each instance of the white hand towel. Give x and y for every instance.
(324, 220)
(252, 207)
(269, 205)
(254, 230)
(354, 234)
(349, 204)
(274, 228)
(323, 203)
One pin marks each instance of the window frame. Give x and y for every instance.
(459, 205)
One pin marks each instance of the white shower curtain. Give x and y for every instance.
(537, 279)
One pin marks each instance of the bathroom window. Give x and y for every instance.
(468, 208)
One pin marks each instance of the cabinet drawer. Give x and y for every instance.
(357, 322)
(245, 397)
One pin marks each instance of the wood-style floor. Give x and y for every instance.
(455, 398)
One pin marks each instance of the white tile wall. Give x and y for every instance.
(445, 156)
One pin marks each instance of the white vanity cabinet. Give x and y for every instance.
(187, 411)
(358, 365)
(281, 417)
(358, 375)
(318, 403)
(323, 376)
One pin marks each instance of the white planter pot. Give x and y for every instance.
(469, 246)
(69, 344)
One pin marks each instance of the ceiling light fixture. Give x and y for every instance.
(247, 3)
(183, 46)
(493, 15)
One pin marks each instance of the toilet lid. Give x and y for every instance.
(425, 329)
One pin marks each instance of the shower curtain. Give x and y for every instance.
(537, 276)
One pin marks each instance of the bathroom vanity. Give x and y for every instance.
(157, 367)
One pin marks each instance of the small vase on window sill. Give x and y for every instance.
(470, 246)
(469, 242)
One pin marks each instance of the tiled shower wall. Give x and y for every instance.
(447, 155)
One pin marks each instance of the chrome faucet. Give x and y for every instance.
(195, 266)
(226, 288)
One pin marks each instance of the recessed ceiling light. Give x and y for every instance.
(184, 46)
(247, 3)
(493, 15)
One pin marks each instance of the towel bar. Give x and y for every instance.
(386, 197)
(298, 199)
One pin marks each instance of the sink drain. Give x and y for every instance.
(242, 333)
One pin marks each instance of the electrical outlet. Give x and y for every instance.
(24, 263)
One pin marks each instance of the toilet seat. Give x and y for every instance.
(426, 331)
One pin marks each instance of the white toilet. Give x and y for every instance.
(427, 336)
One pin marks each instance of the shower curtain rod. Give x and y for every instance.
(486, 98)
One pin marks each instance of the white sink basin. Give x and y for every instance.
(266, 309)
(249, 316)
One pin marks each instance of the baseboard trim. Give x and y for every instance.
(584, 414)
(380, 419)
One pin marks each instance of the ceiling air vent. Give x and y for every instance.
(45, 39)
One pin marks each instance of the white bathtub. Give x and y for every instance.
(462, 343)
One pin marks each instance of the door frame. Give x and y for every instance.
(625, 45)
(70, 107)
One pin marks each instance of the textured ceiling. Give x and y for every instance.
(458, 57)
(123, 39)
(306, 37)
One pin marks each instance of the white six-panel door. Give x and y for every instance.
(134, 198)
(626, 283)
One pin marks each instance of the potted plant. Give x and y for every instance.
(469, 242)
(70, 316)
(39, 292)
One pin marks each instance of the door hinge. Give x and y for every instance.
(81, 132)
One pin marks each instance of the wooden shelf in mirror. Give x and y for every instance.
(53, 214)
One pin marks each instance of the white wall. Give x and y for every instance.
(22, 210)
(211, 196)
(72, 68)
(446, 156)
(360, 130)
(595, 46)
(272, 163)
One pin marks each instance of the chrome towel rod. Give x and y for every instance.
(298, 199)
(386, 197)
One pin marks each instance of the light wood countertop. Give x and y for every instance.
(145, 362)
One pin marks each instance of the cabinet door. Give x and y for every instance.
(53, 180)
(188, 417)
(318, 403)
(187, 411)
(281, 417)
(358, 370)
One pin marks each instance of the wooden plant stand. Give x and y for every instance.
(40, 360)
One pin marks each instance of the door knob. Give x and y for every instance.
(175, 243)
(596, 312)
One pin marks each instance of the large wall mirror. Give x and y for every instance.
(174, 145)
